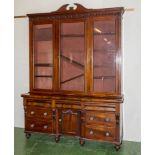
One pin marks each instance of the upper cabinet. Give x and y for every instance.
(76, 50)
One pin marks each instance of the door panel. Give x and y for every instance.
(104, 55)
(72, 56)
(70, 122)
(43, 56)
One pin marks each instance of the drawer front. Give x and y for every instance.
(100, 107)
(107, 119)
(100, 133)
(39, 103)
(35, 112)
(38, 126)
(68, 104)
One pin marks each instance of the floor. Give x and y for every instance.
(45, 145)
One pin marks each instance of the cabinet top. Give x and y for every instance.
(77, 9)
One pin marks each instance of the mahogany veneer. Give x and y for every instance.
(75, 74)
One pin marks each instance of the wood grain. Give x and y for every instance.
(87, 114)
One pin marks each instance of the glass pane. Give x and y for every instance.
(43, 56)
(72, 56)
(104, 56)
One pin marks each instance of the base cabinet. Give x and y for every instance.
(82, 119)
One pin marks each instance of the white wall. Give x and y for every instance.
(21, 65)
(132, 54)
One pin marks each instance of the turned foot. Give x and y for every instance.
(117, 147)
(28, 135)
(57, 139)
(121, 142)
(81, 141)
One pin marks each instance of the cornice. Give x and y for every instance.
(79, 12)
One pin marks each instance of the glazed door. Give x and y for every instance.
(42, 71)
(104, 55)
(72, 56)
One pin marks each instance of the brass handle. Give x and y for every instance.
(107, 119)
(45, 126)
(60, 120)
(32, 125)
(91, 132)
(32, 112)
(91, 118)
(107, 134)
(45, 113)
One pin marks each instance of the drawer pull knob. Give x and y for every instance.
(91, 118)
(32, 112)
(107, 134)
(91, 132)
(45, 113)
(45, 126)
(32, 125)
(60, 119)
(107, 119)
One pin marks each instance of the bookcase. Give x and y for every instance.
(75, 74)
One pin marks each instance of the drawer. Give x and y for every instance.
(38, 126)
(100, 107)
(100, 133)
(93, 117)
(67, 104)
(35, 112)
(39, 103)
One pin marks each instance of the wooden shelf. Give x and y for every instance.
(82, 35)
(43, 65)
(105, 33)
(43, 76)
(104, 65)
(107, 51)
(103, 77)
(72, 35)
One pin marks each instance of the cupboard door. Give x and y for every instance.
(43, 56)
(72, 56)
(104, 55)
(70, 122)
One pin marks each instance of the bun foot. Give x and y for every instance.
(81, 141)
(27, 135)
(121, 142)
(117, 147)
(57, 139)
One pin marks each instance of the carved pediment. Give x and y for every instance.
(71, 7)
